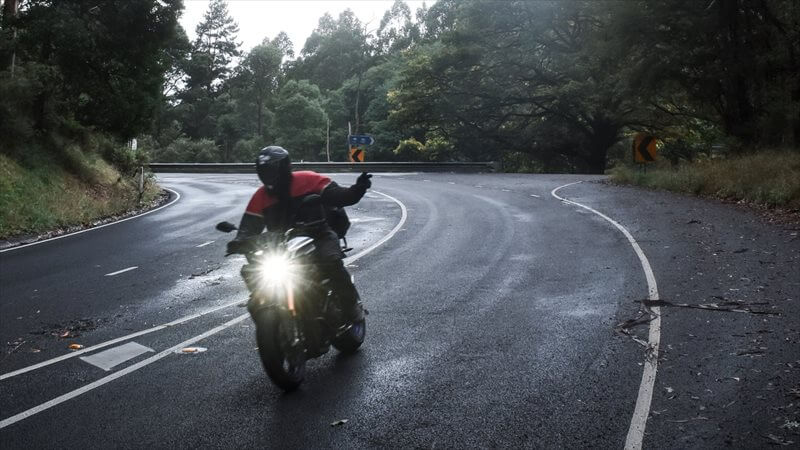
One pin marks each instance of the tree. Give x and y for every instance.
(336, 51)
(397, 32)
(214, 48)
(260, 74)
(740, 71)
(207, 69)
(518, 77)
(300, 120)
(83, 55)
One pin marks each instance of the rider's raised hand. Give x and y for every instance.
(363, 181)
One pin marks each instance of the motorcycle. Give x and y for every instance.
(295, 312)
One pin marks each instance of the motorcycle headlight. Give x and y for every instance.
(276, 269)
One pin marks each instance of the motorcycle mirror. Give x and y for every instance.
(226, 227)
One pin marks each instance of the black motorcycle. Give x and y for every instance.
(295, 312)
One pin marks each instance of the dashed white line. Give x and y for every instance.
(534, 195)
(205, 243)
(121, 271)
(633, 440)
(80, 391)
(70, 395)
(116, 340)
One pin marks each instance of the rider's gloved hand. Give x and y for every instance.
(236, 246)
(363, 181)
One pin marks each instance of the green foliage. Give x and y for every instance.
(40, 195)
(88, 51)
(769, 178)
(409, 150)
(301, 121)
(184, 149)
(335, 51)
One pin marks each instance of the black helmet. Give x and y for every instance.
(273, 166)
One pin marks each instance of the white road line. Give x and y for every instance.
(122, 271)
(177, 197)
(205, 243)
(534, 195)
(107, 379)
(633, 441)
(403, 217)
(115, 341)
(80, 391)
(108, 359)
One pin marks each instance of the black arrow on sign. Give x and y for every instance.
(357, 155)
(643, 148)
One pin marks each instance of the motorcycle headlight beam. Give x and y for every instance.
(276, 270)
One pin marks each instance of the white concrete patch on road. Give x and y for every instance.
(108, 359)
(177, 197)
(633, 440)
(121, 271)
(115, 341)
(205, 243)
(107, 379)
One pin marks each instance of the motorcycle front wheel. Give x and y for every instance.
(280, 348)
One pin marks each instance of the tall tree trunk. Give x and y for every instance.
(260, 126)
(9, 13)
(605, 133)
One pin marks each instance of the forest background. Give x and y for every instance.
(540, 86)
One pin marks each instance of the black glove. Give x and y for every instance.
(237, 246)
(363, 181)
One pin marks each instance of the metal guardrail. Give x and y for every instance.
(468, 167)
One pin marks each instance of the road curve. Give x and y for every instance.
(492, 318)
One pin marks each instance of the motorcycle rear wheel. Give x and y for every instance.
(282, 354)
(350, 340)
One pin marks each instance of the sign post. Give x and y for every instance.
(356, 141)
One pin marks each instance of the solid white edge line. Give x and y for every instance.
(177, 197)
(115, 341)
(635, 436)
(403, 217)
(82, 390)
(121, 271)
(107, 379)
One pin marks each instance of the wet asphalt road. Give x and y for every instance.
(492, 324)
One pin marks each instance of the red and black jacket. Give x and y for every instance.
(265, 210)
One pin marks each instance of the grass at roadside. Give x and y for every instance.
(45, 196)
(769, 178)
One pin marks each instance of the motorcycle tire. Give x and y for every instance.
(350, 340)
(283, 360)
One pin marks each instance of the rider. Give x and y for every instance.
(276, 205)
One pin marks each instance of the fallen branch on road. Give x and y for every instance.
(724, 307)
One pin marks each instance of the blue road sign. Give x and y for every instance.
(361, 139)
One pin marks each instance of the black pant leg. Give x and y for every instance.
(342, 285)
